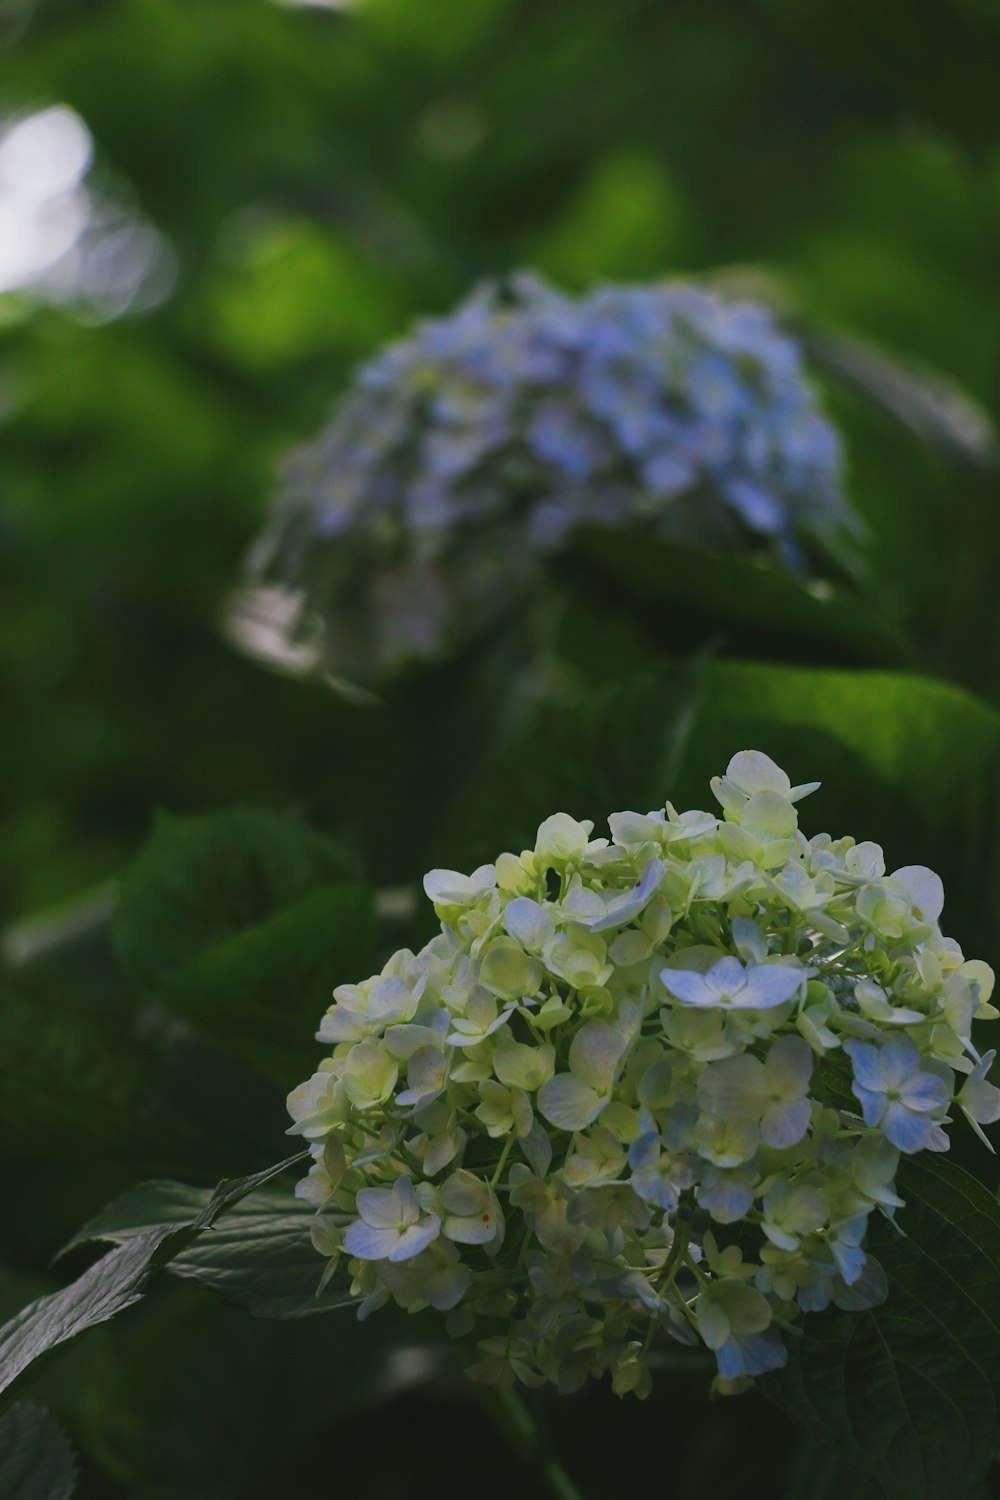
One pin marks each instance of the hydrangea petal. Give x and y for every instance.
(568, 1103)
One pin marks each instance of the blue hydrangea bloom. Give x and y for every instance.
(465, 453)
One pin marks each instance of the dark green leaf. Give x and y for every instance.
(909, 1392)
(817, 1474)
(201, 880)
(114, 1283)
(261, 993)
(101, 1105)
(261, 1257)
(619, 747)
(258, 1254)
(761, 609)
(160, 1204)
(36, 1457)
(912, 763)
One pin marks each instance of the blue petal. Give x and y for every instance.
(908, 1132)
(924, 1092)
(632, 903)
(368, 1243)
(850, 1260)
(756, 506)
(869, 1290)
(864, 1058)
(689, 987)
(816, 1297)
(872, 1105)
(898, 1060)
(416, 1238)
(726, 1198)
(751, 1354)
(785, 1124)
(644, 1153)
(727, 975)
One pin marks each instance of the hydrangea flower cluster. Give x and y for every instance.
(464, 453)
(591, 1111)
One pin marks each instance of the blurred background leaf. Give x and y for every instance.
(333, 173)
(36, 1458)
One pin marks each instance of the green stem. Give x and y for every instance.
(678, 1250)
(695, 1270)
(525, 1435)
(502, 1162)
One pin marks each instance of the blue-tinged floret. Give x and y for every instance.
(466, 453)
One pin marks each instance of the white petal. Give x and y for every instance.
(528, 922)
(568, 1104)
(735, 1088)
(789, 1066)
(380, 1207)
(594, 1055)
(924, 888)
(753, 771)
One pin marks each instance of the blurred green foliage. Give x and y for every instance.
(325, 175)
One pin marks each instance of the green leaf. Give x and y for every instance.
(618, 747)
(115, 1282)
(226, 1195)
(818, 1474)
(909, 1392)
(912, 763)
(259, 1255)
(760, 608)
(162, 1205)
(100, 1106)
(36, 1458)
(261, 993)
(201, 880)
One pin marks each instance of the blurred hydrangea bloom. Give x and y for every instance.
(465, 453)
(592, 1112)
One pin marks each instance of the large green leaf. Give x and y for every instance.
(260, 994)
(116, 1282)
(687, 594)
(100, 1107)
(36, 1458)
(909, 1392)
(261, 1257)
(199, 881)
(113, 1283)
(619, 747)
(258, 1254)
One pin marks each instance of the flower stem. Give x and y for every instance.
(695, 1270)
(503, 1161)
(526, 1436)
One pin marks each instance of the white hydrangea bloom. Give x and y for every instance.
(619, 1058)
